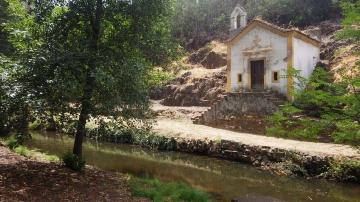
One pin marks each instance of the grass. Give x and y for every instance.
(159, 191)
(29, 153)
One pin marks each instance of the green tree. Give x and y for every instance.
(13, 108)
(92, 58)
(197, 22)
(5, 17)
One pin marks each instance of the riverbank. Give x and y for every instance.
(224, 180)
(174, 131)
(26, 179)
(24, 171)
(281, 156)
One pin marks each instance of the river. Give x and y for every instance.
(225, 180)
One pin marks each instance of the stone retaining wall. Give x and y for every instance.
(264, 157)
(240, 104)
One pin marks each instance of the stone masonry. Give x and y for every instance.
(235, 105)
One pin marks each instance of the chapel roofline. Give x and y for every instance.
(275, 29)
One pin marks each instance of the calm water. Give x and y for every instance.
(225, 180)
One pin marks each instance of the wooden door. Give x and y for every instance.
(257, 74)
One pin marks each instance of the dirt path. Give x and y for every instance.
(22, 179)
(186, 129)
(168, 112)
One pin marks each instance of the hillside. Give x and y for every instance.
(200, 77)
(338, 53)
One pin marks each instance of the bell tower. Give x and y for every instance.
(238, 18)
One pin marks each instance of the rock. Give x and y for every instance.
(188, 91)
(329, 27)
(214, 60)
(199, 55)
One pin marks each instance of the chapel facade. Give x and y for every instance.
(261, 54)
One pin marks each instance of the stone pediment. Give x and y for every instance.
(256, 47)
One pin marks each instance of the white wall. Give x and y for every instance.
(276, 59)
(306, 56)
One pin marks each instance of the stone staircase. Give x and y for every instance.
(249, 103)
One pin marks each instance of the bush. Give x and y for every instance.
(130, 132)
(158, 77)
(322, 110)
(73, 161)
(345, 170)
(12, 142)
(347, 131)
(21, 150)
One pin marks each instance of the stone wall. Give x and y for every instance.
(240, 104)
(274, 159)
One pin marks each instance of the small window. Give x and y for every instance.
(238, 21)
(239, 78)
(275, 77)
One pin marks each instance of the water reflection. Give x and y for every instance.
(225, 180)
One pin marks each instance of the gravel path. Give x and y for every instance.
(186, 129)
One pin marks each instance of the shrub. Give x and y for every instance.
(73, 161)
(347, 131)
(12, 142)
(322, 110)
(159, 77)
(345, 170)
(22, 137)
(21, 150)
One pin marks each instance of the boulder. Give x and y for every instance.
(214, 60)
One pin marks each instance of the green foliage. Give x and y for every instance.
(321, 109)
(35, 125)
(277, 131)
(328, 109)
(347, 131)
(22, 137)
(118, 130)
(17, 140)
(5, 17)
(79, 59)
(159, 77)
(351, 21)
(345, 170)
(298, 13)
(21, 150)
(308, 129)
(73, 161)
(162, 191)
(12, 142)
(197, 22)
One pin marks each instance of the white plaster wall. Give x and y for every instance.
(306, 56)
(276, 59)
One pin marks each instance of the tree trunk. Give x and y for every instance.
(86, 105)
(84, 115)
